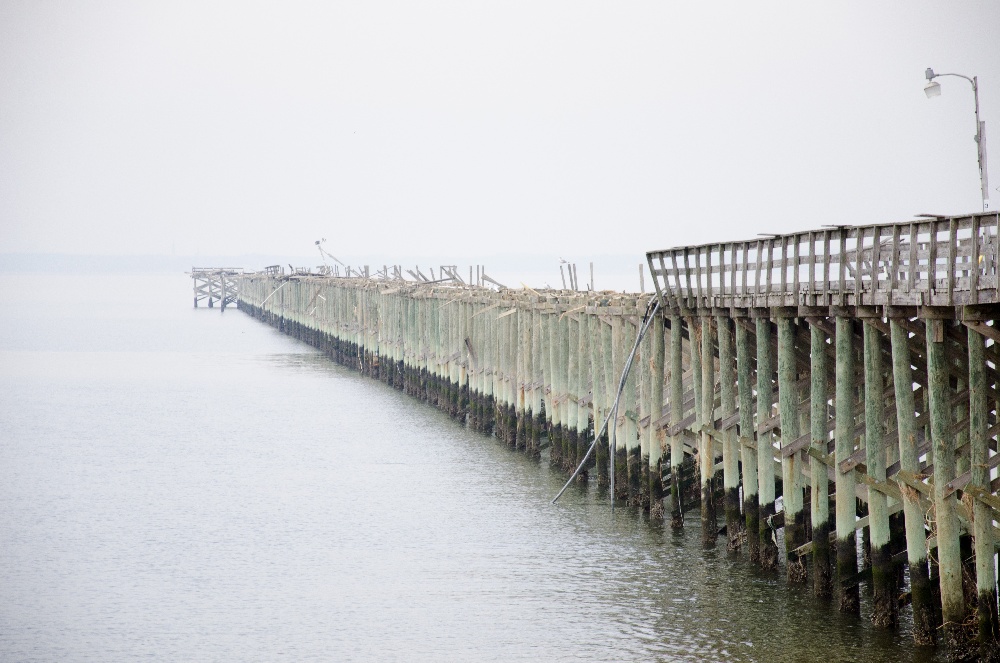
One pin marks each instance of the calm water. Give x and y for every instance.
(186, 485)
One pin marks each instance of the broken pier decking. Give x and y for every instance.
(851, 371)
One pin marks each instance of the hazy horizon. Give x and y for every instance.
(457, 129)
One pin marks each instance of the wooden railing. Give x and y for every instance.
(933, 262)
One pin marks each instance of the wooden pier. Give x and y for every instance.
(827, 399)
(215, 284)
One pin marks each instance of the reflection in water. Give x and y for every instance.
(213, 490)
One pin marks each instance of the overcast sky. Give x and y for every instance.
(467, 128)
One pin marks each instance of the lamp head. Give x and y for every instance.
(932, 89)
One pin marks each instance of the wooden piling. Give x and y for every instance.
(978, 487)
(642, 365)
(748, 440)
(765, 448)
(822, 524)
(599, 392)
(945, 504)
(921, 592)
(791, 471)
(676, 414)
(885, 608)
(735, 532)
(655, 433)
(706, 416)
(846, 392)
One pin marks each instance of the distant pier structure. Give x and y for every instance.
(827, 400)
(215, 284)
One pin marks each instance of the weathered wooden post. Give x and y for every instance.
(618, 458)
(847, 555)
(545, 370)
(601, 410)
(555, 411)
(522, 434)
(676, 414)
(706, 453)
(730, 445)
(655, 433)
(978, 488)
(748, 445)
(572, 345)
(945, 504)
(885, 608)
(611, 380)
(583, 378)
(644, 410)
(765, 447)
(820, 484)
(538, 380)
(791, 471)
(629, 407)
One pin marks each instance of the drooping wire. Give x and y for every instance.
(651, 309)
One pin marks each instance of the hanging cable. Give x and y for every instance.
(651, 309)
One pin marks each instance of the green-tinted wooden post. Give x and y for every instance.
(538, 381)
(885, 610)
(610, 386)
(572, 397)
(946, 518)
(676, 414)
(706, 452)
(510, 378)
(791, 470)
(583, 378)
(820, 488)
(553, 411)
(979, 484)
(730, 445)
(694, 359)
(656, 411)
(631, 449)
(765, 448)
(747, 441)
(847, 556)
(621, 437)
(594, 325)
(641, 364)
(517, 388)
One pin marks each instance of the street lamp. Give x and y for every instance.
(933, 89)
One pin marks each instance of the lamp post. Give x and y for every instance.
(933, 89)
